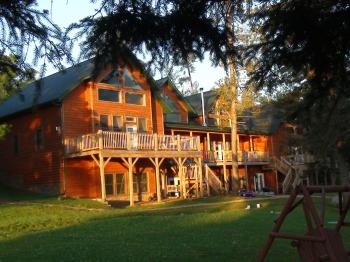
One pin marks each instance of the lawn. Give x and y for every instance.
(48, 229)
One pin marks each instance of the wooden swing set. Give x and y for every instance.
(319, 243)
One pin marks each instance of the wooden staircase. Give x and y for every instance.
(213, 181)
(293, 173)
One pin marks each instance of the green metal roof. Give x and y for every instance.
(55, 87)
(262, 121)
(168, 107)
(49, 89)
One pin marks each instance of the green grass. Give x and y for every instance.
(52, 230)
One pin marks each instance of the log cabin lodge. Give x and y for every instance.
(125, 136)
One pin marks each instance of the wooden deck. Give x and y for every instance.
(248, 157)
(122, 144)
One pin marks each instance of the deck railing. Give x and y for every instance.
(242, 156)
(131, 141)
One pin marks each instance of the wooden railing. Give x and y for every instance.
(131, 141)
(242, 156)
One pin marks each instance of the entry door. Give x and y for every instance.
(133, 138)
(259, 181)
(131, 128)
(219, 151)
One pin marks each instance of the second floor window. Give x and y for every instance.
(39, 139)
(108, 95)
(117, 123)
(134, 99)
(104, 122)
(172, 118)
(141, 125)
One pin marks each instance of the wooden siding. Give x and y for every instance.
(33, 169)
(157, 116)
(83, 177)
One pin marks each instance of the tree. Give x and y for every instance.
(178, 29)
(10, 84)
(24, 30)
(309, 55)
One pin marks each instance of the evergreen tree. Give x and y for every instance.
(179, 29)
(305, 49)
(26, 29)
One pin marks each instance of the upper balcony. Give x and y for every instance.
(125, 144)
(243, 157)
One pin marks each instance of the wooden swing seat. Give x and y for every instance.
(319, 243)
(317, 251)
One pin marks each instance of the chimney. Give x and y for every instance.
(203, 110)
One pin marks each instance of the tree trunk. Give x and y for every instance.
(229, 26)
(344, 170)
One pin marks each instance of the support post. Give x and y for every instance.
(131, 182)
(156, 163)
(224, 161)
(250, 143)
(207, 178)
(208, 141)
(182, 178)
(200, 174)
(102, 175)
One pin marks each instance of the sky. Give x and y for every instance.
(65, 12)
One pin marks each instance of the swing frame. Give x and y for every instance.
(315, 221)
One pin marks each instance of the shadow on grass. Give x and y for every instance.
(220, 233)
(217, 233)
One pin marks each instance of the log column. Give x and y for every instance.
(102, 175)
(224, 161)
(131, 182)
(200, 174)
(130, 163)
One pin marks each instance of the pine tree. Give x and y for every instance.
(26, 29)
(305, 49)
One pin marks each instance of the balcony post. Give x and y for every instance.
(178, 143)
(198, 143)
(208, 141)
(100, 139)
(128, 141)
(156, 142)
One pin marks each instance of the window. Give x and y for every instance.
(134, 99)
(212, 122)
(115, 184)
(117, 123)
(109, 184)
(39, 138)
(130, 119)
(172, 117)
(140, 183)
(112, 78)
(141, 125)
(104, 122)
(108, 95)
(120, 183)
(16, 144)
